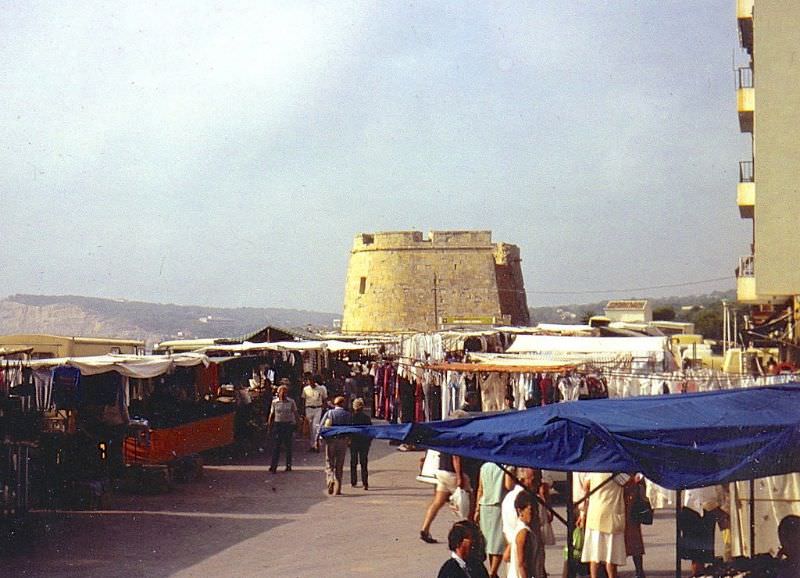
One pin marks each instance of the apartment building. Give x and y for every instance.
(768, 191)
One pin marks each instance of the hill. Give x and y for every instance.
(153, 322)
(575, 313)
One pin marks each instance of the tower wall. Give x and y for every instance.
(405, 281)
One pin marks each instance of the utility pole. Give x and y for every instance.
(435, 304)
(725, 326)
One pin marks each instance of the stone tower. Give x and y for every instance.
(404, 281)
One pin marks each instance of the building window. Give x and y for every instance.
(367, 239)
(362, 288)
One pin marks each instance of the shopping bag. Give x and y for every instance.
(459, 503)
(548, 536)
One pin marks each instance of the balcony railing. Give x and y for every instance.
(746, 172)
(746, 266)
(744, 14)
(744, 77)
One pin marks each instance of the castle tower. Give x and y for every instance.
(404, 281)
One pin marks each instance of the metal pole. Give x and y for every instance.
(570, 528)
(678, 500)
(752, 518)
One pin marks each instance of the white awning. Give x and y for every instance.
(136, 366)
(558, 344)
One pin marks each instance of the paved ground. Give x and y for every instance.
(241, 521)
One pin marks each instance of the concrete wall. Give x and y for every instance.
(776, 61)
(405, 281)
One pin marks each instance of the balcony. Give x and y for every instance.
(746, 282)
(746, 190)
(745, 98)
(744, 16)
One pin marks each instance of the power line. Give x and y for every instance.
(595, 291)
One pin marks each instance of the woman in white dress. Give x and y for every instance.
(603, 517)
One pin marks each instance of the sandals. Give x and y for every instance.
(427, 538)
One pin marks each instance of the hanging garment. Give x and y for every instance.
(43, 384)
(546, 390)
(66, 387)
(405, 392)
(377, 392)
(419, 400)
(493, 391)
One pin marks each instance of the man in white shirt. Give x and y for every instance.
(314, 397)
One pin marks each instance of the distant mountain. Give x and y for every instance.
(153, 322)
(574, 313)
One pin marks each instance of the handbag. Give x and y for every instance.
(642, 510)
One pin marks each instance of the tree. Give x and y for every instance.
(708, 323)
(664, 314)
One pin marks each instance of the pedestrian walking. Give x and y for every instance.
(697, 520)
(359, 446)
(315, 395)
(634, 544)
(528, 482)
(603, 517)
(491, 491)
(336, 446)
(449, 477)
(283, 416)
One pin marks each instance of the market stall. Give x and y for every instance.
(679, 442)
(106, 412)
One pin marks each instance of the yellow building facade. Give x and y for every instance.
(768, 192)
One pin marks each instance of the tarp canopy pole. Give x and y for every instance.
(571, 570)
(678, 500)
(752, 507)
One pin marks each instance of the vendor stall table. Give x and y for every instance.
(167, 444)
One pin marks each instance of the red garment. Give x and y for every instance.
(207, 379)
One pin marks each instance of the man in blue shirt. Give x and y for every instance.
(336, 447)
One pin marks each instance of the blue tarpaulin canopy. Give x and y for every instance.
(677, 441)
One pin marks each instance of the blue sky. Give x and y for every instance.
(226, 153)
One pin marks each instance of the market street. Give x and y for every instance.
(239, 520)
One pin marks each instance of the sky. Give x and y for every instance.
(227, 153)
